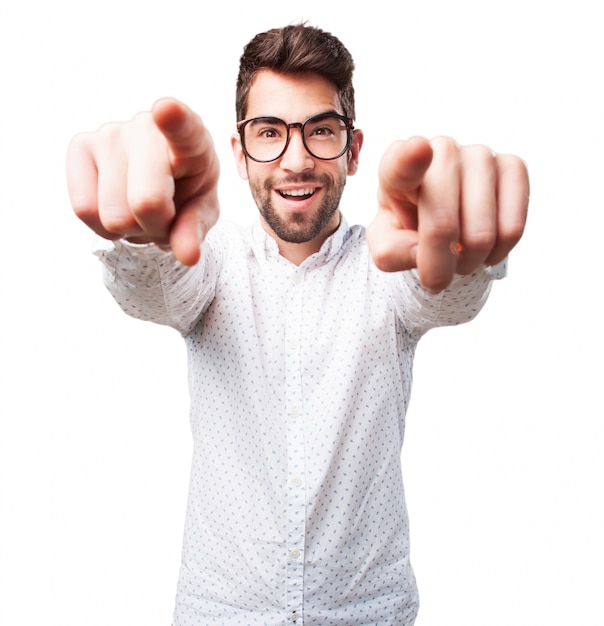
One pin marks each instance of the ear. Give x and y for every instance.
(240, 159)
(355, 149)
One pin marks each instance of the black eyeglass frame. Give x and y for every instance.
(348, 123)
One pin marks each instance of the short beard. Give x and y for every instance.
(300, 229)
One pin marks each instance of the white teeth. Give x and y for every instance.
(298, 192)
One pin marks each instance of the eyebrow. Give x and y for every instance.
(266, 118)
(258, 119)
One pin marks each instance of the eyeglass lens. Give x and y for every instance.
(325, 137)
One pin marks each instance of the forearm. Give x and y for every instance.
(459, 303)
(149, 284)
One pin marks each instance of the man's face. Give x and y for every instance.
(298, 195)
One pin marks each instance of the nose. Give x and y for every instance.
(296, 157)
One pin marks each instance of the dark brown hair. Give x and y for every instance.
(296, 49)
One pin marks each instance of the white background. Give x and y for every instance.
(503, 455)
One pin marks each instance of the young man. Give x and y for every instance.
(301, 330)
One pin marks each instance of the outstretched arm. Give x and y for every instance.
(446, 209)
(152, 179)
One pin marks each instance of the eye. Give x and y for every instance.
(266, 129)
(268, 133)
(325, 131)
(325, 127)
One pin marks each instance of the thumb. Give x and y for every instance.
(192, 224)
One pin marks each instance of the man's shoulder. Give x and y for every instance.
(229, 235)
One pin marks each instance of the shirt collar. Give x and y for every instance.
(265, 248)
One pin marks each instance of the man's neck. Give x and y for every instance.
(297, 253)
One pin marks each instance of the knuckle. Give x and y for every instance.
(380, 254)
(480, 155)
(480, 240)
(110, 133)
(447, 147)
(116, 219)
(512, 233)
(147, 205)
(382, 259)
(513, 173)
(441, 227)
(78, 143)
(113, 218)
(383, 255)
(511, 161)
(84, 211)
(434, 283)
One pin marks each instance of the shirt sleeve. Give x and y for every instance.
(461, 302)
(149, 283)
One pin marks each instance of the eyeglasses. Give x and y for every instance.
(325, 136)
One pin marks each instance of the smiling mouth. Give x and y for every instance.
(297, 194)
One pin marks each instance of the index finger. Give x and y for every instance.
(401, 174)
(189, 142)
(439, 216)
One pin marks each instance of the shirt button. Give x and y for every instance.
(295, 554)
(297, 481)
(294, 413)
(297, 279)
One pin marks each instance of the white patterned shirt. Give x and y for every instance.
(300, 379)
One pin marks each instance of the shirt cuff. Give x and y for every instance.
(499, 271)
(102, 247)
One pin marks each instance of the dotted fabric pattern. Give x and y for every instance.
(300, 379)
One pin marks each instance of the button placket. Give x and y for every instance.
(295, 448)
